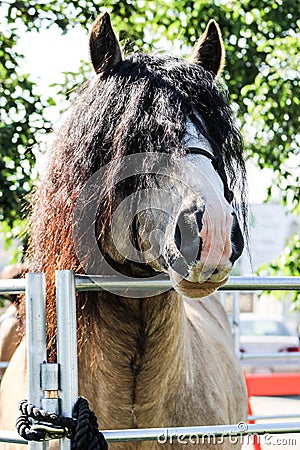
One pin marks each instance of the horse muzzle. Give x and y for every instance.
(206, 247)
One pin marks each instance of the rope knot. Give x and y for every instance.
(35, 424)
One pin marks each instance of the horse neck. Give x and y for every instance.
(139, 345)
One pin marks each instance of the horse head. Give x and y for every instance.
(171, 171)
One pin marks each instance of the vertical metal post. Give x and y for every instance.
(236, 321)
(66, 343)
(35, 291)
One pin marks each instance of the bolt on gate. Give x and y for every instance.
(62, 377)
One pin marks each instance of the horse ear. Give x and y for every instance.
(209, 50)
(105, 49)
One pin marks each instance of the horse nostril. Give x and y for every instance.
(237, 240)
(186, 236)
(177, 237)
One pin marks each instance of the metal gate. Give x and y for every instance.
(63, 376)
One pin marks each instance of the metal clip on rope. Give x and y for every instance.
(50, 431)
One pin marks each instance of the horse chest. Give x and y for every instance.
(125, 370)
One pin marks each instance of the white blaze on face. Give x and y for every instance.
(216, 223)
(217, 218)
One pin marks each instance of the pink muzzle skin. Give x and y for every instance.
(212, 270)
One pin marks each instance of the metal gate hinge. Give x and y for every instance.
(49, 377)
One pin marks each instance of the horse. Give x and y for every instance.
(146, 177)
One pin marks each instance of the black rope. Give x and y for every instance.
(35, 424)
(87, 435)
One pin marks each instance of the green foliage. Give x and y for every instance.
(20, 121)
(288, 264)
(262, 73)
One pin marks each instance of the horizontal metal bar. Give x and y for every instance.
(12, 286)
(155, 434)
(274, 417)
(249, 283)
(257, 283)
(11, 437)
(283, 355)
(98, 282)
